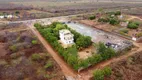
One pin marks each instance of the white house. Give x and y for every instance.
(134, 38)
(1, 17)
(66, 36)
(9, 16)
(121, 17)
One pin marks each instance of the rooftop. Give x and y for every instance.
(65, 31)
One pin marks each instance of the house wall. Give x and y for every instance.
(66, 41)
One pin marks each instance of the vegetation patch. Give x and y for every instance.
(99, 74)
(70, 54)
(133, 25)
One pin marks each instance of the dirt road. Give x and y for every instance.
(133, 17)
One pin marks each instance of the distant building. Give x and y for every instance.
(8, 16)
(121, 17)
(134, 38)
(66, 36)
(1, 17)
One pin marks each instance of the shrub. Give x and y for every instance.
(118, 13)
(139, 34)
(98, 74)
(114, 13)
(133, 25)
(36, 57)
(47, 76)
(92, 17)
(34, 42)
(114, 21)
(95, 59)
(103, 20)
(107, 71)
(13, 48)
(124, 31)
(48, 65)
(17, 12)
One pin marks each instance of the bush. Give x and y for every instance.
(114, 21)
(47, 76)
(34, 42)
(103, 20)
(114, 13)
(139, 34)
(17, 12)
(98, 74)
(107, 71)
(95, 59)
(133, 25)
(13, 48)
(36, 57)
(124, 31)
(118, 13)
(92, 17)
(48, 65)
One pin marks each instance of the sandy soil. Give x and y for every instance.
(84, 54)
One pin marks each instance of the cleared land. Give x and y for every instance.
(127, 69)
(23, 57)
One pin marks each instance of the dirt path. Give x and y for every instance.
(67, 70)
(133, 17)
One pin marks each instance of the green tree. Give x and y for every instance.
(105, 52)
(114, 21)
(92, 17)
(83, 42)
(17, 12)
(57, 28)
(133, 25)
(100, 48)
